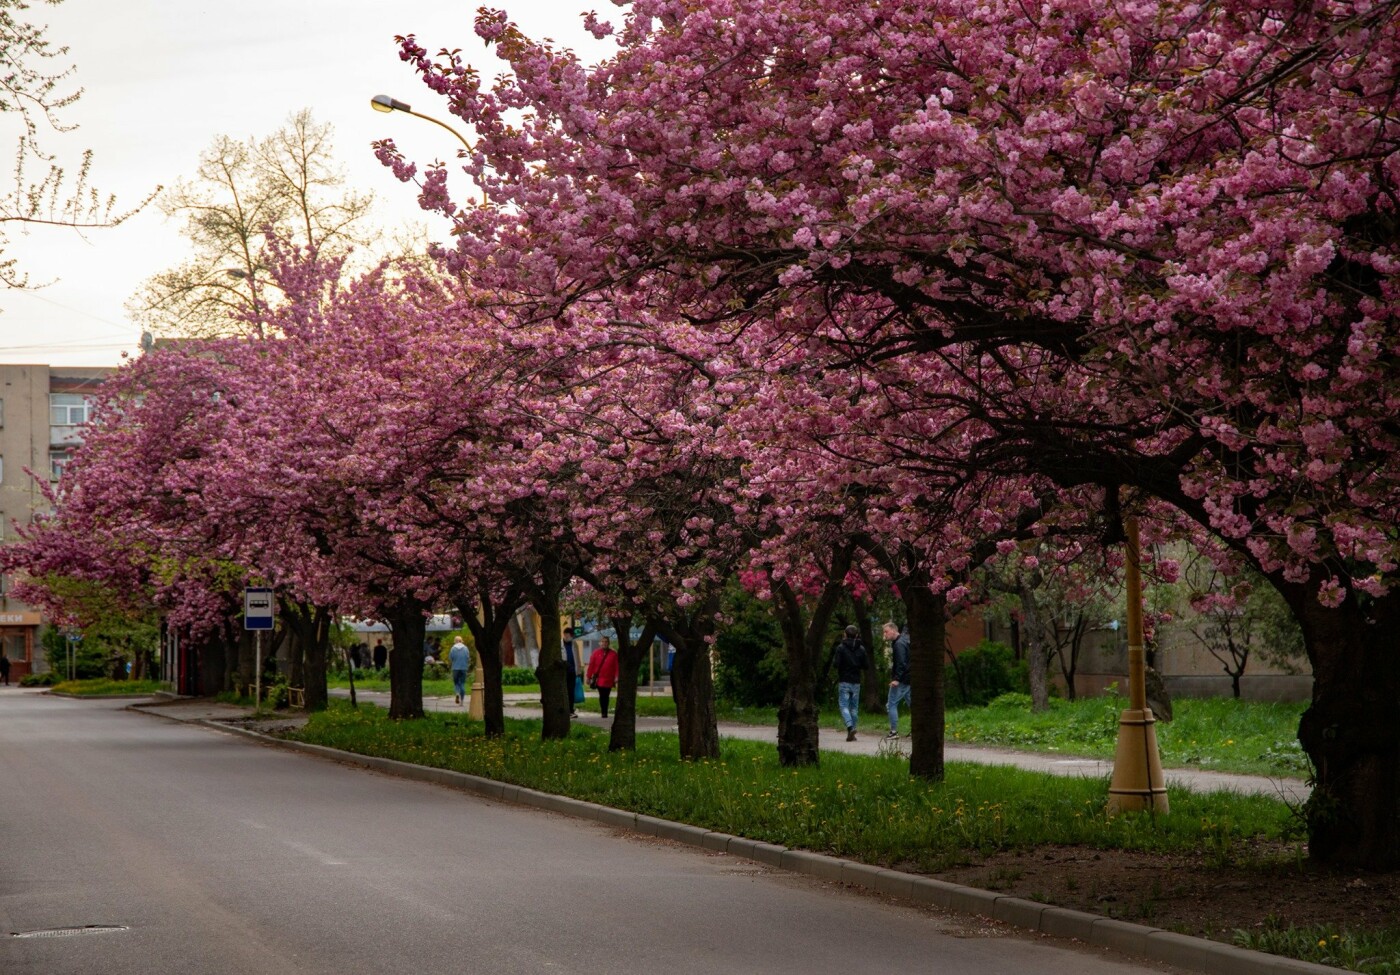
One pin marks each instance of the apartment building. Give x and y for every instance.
(42, 410)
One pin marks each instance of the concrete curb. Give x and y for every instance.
(1134, 940)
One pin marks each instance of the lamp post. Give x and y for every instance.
(386, 103)
(1138, 782)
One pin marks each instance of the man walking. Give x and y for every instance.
(851, 660)
(460, 658)
(899, 675)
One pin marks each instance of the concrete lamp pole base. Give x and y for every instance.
(1138, 783)
(476, 709)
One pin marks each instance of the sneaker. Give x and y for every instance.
(892, 736)
(850, 734)
(573, 714)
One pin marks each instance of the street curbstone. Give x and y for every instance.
(649, 825)
(972, 900)
(769, 853)
(1121, 936)
(740, 847)
(1062, 922)
(681, 832)
(1210, 957)
(895, 883)
(718, 842)
(939, 893)
(860, 874)
(812, 864)
(1019, 911)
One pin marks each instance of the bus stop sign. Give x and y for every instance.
(257, 609)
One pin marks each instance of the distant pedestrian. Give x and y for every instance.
(5, 667)
(851, 661)
(381, 655)
(602, 672)
(571, 668)
(460, 658)
(899, 674)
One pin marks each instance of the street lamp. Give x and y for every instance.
(1138, 782)
(386, 103)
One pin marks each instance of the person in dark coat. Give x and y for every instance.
(899, 675)
(381, 655)
(5, 667)
(851, 662)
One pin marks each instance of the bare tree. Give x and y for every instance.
(287, 184)
(33, 80)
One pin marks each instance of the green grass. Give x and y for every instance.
(856, 806)
(1375, 951)
(1221, 734)
(105, 687)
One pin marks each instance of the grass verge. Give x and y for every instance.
(1376, 952)
(106, 687)
(865, 808)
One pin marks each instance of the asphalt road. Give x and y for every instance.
(213, 856)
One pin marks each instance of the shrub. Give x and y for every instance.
(984, 672)
(517, 676)
(750, 665)
(39, 680)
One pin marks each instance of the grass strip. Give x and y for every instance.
(106, 687)
(862, 807)
(1375, 951)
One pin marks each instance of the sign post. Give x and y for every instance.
(257, 615)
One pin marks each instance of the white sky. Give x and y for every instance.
(162, 78)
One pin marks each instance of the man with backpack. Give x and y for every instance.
(851, 662)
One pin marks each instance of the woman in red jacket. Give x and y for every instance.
(602, 672)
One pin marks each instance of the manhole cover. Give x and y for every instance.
(70, 932)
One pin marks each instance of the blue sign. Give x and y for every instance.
(257, 608)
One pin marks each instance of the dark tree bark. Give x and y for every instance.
(799, 725)
(928, 616)
(556, 697)
(630, 654)
(309, 629)
(692, 680)
(488, 618)
(408, 622)
(1350, 730)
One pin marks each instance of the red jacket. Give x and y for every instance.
(603, 666)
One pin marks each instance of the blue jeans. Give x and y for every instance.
(459, 683)
(899, 694)
(848, 699)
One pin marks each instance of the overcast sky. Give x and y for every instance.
(162, 78)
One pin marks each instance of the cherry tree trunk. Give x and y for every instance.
(927, 647)
(408, 625)
(1351, 730)
(693, 684)
(799, 724)
(1037, 649)
(556, 697)
(630, 653)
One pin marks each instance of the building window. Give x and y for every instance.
(67, 412)
(58, 460)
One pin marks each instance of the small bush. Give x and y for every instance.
(517, 676)
(47, 679)
(982, 673)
